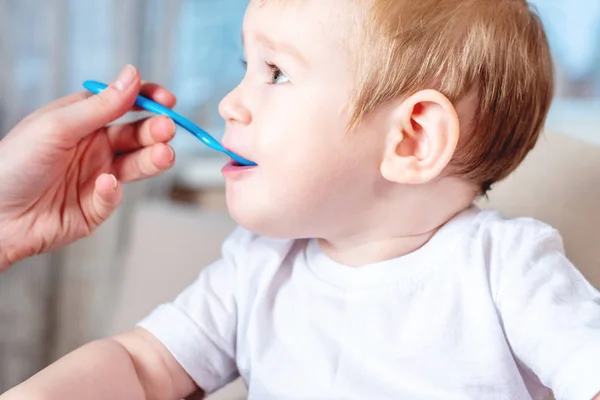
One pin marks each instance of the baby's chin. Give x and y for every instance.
(267, 222)
(267, 228)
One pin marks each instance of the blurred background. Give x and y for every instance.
(53, 303)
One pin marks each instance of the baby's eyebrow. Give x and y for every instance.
(280, 47)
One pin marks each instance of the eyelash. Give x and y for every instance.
(274, 69)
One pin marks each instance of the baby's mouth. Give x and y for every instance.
(236, 159)
(232, 164)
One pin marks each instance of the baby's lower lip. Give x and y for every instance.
(234, 166)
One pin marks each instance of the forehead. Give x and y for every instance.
(306, 24)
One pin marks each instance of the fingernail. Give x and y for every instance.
(172, 155)
(125, 78)
(115, 182)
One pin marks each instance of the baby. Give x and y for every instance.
(361, 268)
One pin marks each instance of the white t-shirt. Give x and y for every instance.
(489, 308)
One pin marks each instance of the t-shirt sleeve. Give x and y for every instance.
(199, 326)
(551, 317)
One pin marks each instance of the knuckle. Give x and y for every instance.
(143, 128)
(146, 166)
(52, 125)
(103, 101)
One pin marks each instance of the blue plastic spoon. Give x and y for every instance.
(152, 106)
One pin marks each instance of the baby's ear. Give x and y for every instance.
(422, 135)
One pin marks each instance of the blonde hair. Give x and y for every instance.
(494, 49)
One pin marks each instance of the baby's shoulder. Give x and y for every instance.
(512, 235)
(511, 248)
(505, 251)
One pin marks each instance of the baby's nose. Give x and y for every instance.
(233, 109)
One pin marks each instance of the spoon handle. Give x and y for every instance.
(152, 106)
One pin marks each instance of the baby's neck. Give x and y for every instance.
(400, 226)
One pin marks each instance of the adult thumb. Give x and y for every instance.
(81, 118)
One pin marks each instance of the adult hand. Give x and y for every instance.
(61, 168)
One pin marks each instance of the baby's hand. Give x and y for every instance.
(61, 168)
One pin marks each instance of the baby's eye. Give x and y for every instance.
(277, 76)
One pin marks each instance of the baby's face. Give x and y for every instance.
(289, 115)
